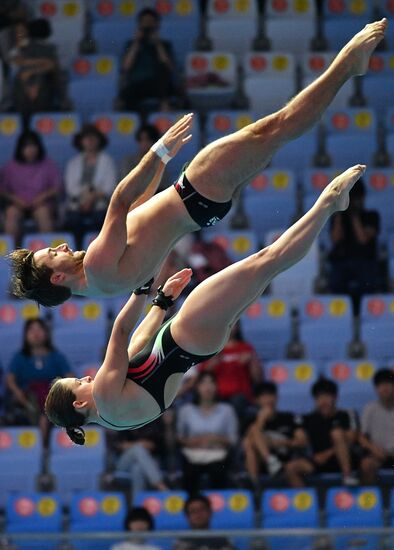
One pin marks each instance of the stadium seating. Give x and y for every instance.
(29, 512)
(75, 467)
(36, 241)
(378, 83)
(237, 244)
(10, 128)
(222, 123)
(20, 459)
(389, 123)
(344, 19)
(354, 379)
(379, 196)
(297, 154)
(269, 80)
(269, 201)
(326, 326)
(166, 508)
(13, 315)
(114, 23)
(6, 246)
(57, 131)
(266, 324)
(120, 129)
(294, 380)
(377, 325)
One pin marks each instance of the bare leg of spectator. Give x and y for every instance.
(341, 449)
(43, 217)
(296, 470)
(369, 467)
(12, 221)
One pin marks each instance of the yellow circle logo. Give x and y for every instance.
(27, 439)
(127, 8)
(66, 126)
(110, 505)
(8, 126)
(184, 7)
(57, 241)
(242, 6)
(338, 307)
(358, 6)
(280, 180)
(391, 62)
(242, 121)
(238, 502)
(91, 438)
(91, 311)
(303, 372)
(301, 6)
(363, 119)
(367, 500)
(364, 371)
(241, 245)
(280, 62)
(3, 247)
(392, 306)
(173, 504)
(70, 9)
(302, 501)
(220, 62)
(46, 506)
(30, 311)
(276, 308)
(125, 125)
(104, 66)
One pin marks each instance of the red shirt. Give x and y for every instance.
(231, 369)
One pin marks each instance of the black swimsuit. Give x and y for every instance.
(152, 366)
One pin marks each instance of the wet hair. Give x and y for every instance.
(60, 410)
(139, 514)
(324, 386)
(265, 388)
(383, 376)
(203, 374)
(31, 281)
(39, 28)
(24, 139)
(26, 348)
(148, 11)
(196, 498)
(150, 129)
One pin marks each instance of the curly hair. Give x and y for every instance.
(60, 410)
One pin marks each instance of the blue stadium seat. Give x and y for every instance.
(75, 467)
(111, 36)
(93, 84)
(222, 123)
(6, 246)
(377, 325)
(297, 154)
(346, 128)
(120, 129)
(378, 83)
(80, 329)
(354, 379)
(29, 512)
(266, 324)
(379, 196)
(286, 509)
(20, 459)
(392, 508)
(96, 511)
(326, 326)
(57, 131)
(36, 241)
(269, 81)
(10, 129)
(389, 123)
(269, 201)
(344, 19)
(361, 507)
(13, 315)
(166, 508)
(294, 379)
(88, 238)
(237, 244)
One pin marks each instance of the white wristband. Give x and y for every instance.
(161, 151)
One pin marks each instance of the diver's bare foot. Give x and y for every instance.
(337, 192)
(357, 52)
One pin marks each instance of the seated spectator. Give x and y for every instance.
(273, 438)
(353, 258)
(36, 84)
(29, 185)
(206, 259)
(377, 428)
(30, 374)
(147, 66)
(237, 370)
(137, 520)
(207, 430)
(146, 136)
(198, 512)
(90, 179)
(331, 436)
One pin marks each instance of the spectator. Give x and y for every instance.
(137, 520)
(273, 438)
(206, 258)
(353, 257)
(36, 84)
(31, 371)
(198, 512)
(377, 428)
(331, 435)
(147, 65)
(237, 370)
(90, 180)
(206, 431)
(29, 184)
(146, 136)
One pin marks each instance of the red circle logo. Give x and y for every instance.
(199, 63)
(314, 308)
(69, 311)
(63, 440)
(222, 242)
(48, 9)
(82, 67)
(153, 505)
(336, 6)
(5, 440)
(221, 6)
(390, 6)
(378, 181)
(163, 7)
(8, 314)
(317, 63)
(217, 502)
(280, 5)
(222, 123)
(88, 506)
(376, 307)
(279, 502)
(105, 8)
(376, 63)
(343, 500)
(162, 124)
(260, 182)
(340, 371)
(258, 62)
(340, 121)
(279, 373)
(320, 181)
(104, 124)
(254, 310)
(45, 125)
(24, 507)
